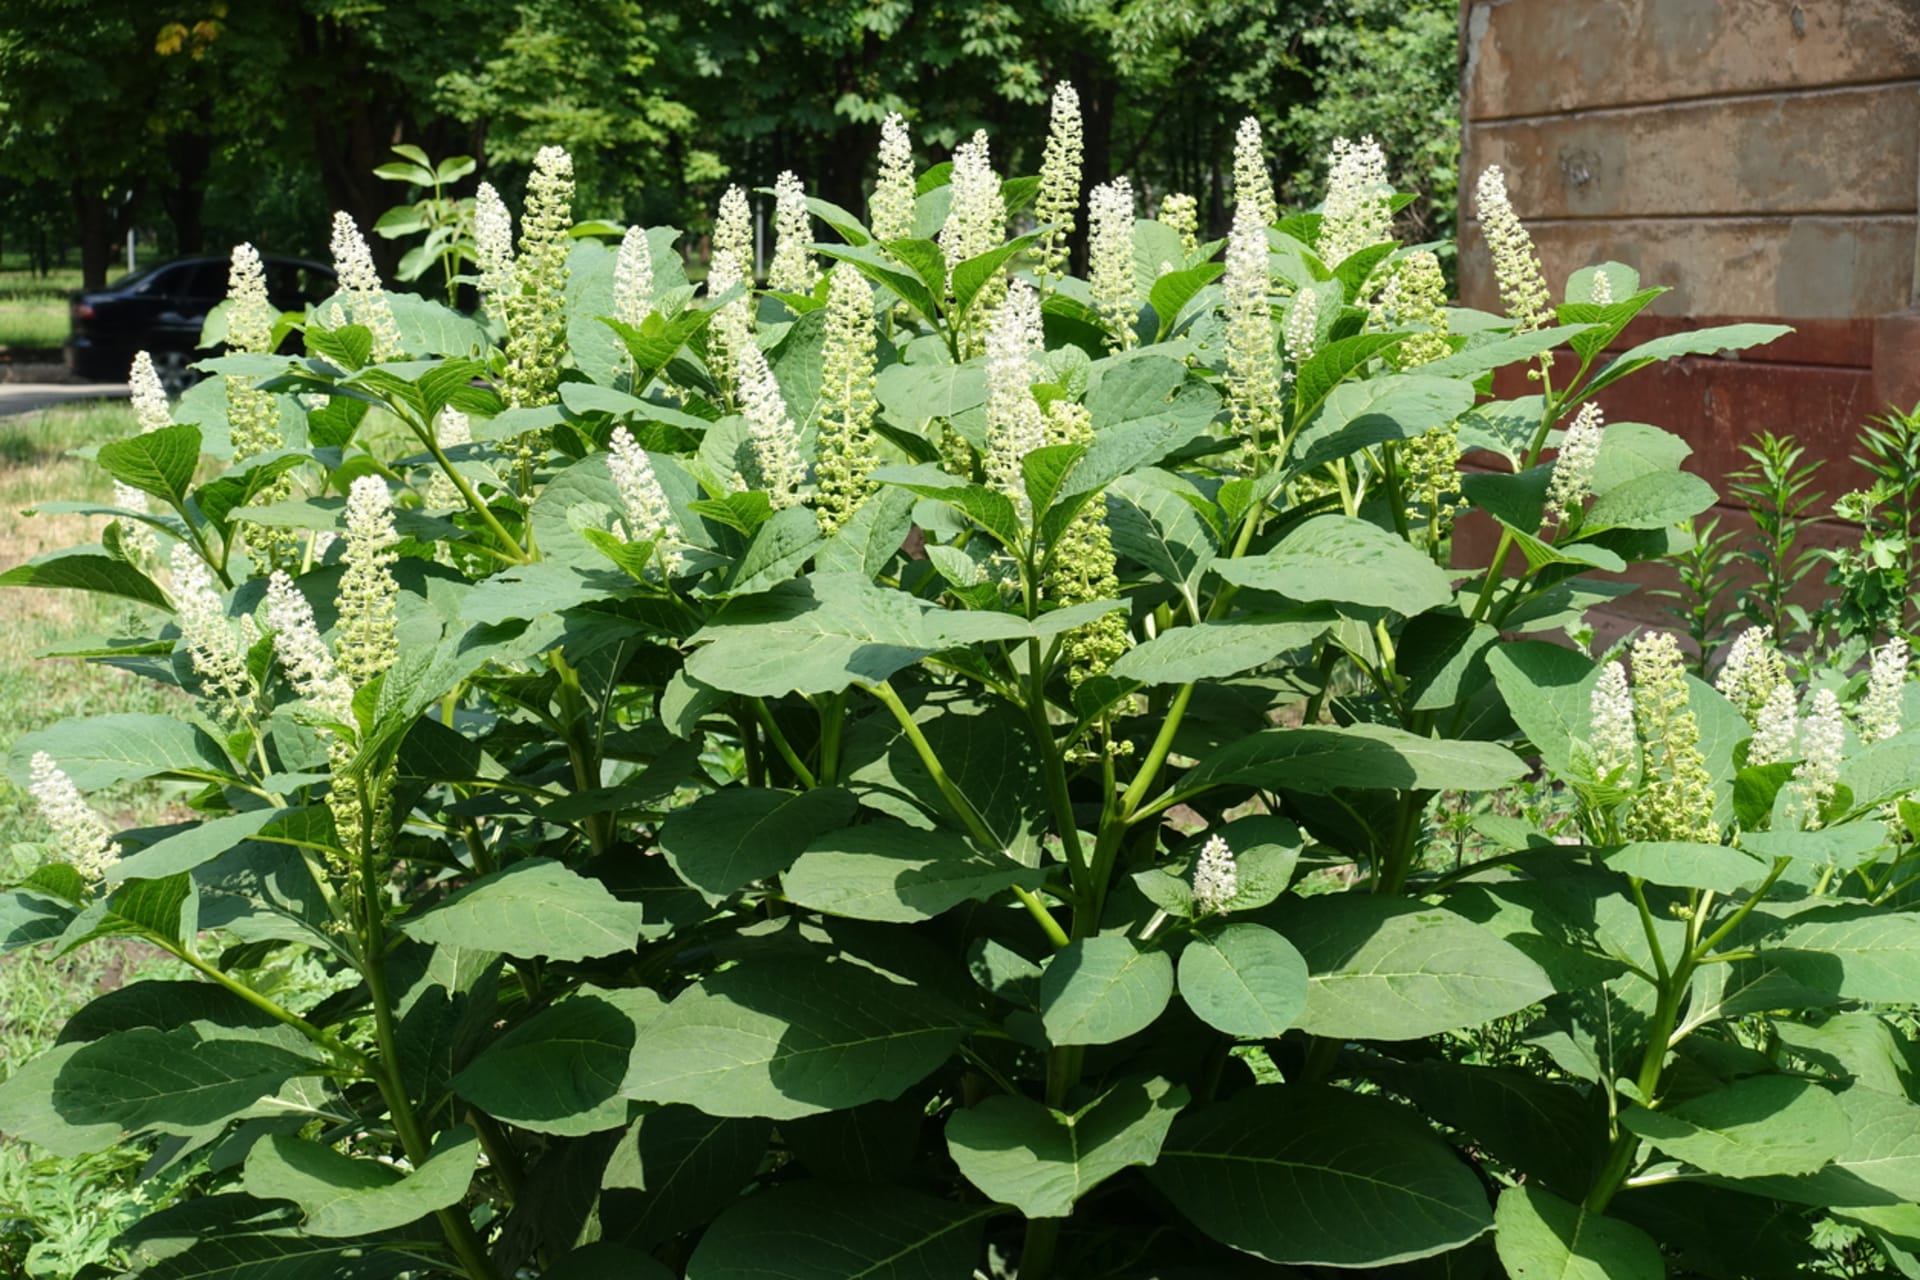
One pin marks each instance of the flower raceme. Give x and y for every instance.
(1572, 478)
(1675, 800)
(1358, 210)
(1216, 881)
(1179, 211)
(366, 298)
(80, 834)
(848, 358)
(493, 246)
(633, 278)
(535, 308)
(216, 645)
(648, 515)
(1516, 267)
(792, 269)
(1015, 424)
(891, 209)
(1059, 196)
(1110, 260)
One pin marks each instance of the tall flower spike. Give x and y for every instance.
(649, 517)
(250, 315)
(1752, 672)
(454, 431)
(536, 305)
(1358, 210)
(216, 646)
(1573, 469)
(847, 362)
(1082, 567)
(891, 209)
(633, 278)
(1302, 329)
(1216, 882)
(1600, 292)
(1110, 261)
(1415, 298)
(1252, 184)
(1886, 683)
(1253, 369)
(775, 440)
(1616, 746)
(1015, 425)
(1822, 742)
(303, 655)
(977, 215)
(1776, 729)
(731, 330)
(79, 833)
(1179, 211)
(1059, 195)
(150, 409)
(792, 269)
(1675, 801)
(366, 297)
(493, 246)
(367, 641)
(1516, 267)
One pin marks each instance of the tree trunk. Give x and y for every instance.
(96, 234)
(189, 156)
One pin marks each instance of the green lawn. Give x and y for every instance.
(33, 308)
(56, 1216)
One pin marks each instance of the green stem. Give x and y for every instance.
(1054, 770)
(425, 433)
(833, 719)
(1044, 918)
(267, 1006)
(577, 723)
(949, 791)
(780, 744)
(1156, 754)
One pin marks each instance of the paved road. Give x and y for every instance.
(25, 397)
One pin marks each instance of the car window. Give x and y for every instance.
(205, 282)
(161, 282)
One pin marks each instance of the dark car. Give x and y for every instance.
(160, 311)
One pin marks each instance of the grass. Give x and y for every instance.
(33, 309)
(56, 1215)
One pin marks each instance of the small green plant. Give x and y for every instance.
(444, 221)
(1703, 600)
(1775, 487)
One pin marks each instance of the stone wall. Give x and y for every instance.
(1761, 157)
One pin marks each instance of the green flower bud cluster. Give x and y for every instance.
(1059, 196)
(847, 362)
(1082, 567)
(536, 305)
(1675, 800)
(1179, 211)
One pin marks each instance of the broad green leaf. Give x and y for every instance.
(1752, 1128)
(1539, 1236)
(1849, 952)
(187, 849)
(1878, 1165)
(1386, 969)
(1155, 518)
(1101, 989)
(1041, 1161)
(1213, 650)
(888, 871)
(30, 918)
(1173, 291)
(27, 1113)
(867, 543)
(162, 1005)
(1314, 1176)
(815, 1230)
(1649, 502)
(1243, 979)
(339, 1195)
(560, 1071)
(87, 569)
(1359, 415)
(1545, 1129)
(732, 837)
(974, 274)
(1320, 759)
(98, 751)
(1630, 450)
(175, 1081)
(1496, 353)
(230, 1236)
(883, 267)
(165, 911)
(1343, 559)
(532, 908)
(1549, 691)
(1334, 364)
(821, 633)
(603, 1260)
(791, 1037)
(1689, 866)
(159, 463)
(675, 1169)
(1695, 342)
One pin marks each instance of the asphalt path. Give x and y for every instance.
(26, 397)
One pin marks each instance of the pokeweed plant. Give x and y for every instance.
(940, 769)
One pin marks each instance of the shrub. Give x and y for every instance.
(936, 770)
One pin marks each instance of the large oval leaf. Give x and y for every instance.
(1098, 990)
(340, 1195)
(1542, 1237)
(1244, 979)
(1752, 1128)
(733, 837)
(1386, 969)
(1313, 1176)
(1348, 560)
(825, 1231)
(532, 908)
(785, 1038)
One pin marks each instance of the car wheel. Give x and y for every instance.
(175, 376)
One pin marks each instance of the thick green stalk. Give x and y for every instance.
(764, 714)
(581, 753)
(461, 1237)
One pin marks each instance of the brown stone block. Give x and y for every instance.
(1812, 267)
(1528, 57)
(1781, 153)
